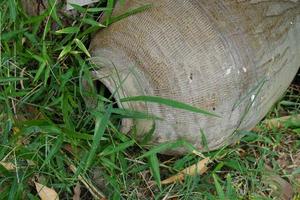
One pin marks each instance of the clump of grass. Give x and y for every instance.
(49, 135)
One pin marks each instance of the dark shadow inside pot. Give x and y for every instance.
(106, 90)
(103, 91)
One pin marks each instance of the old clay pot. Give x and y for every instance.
(233, 58)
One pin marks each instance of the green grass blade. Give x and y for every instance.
(119, 148)
(230, 191)
(98, 9)
(12, 10)
(108, 12)
(148, 136)
(82, 47)
(219, 188)
(100, 126)
(40, 71)
(4, 80)
(125, 113)
(68, 30)
(163, 147)
(56, 147)
(78, 7)
(130, 12)
(154, 168)
(54, 11)
(168, 102)
(65, 51)
(6, 36)
(92, 22)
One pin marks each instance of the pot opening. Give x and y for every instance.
(106, 89)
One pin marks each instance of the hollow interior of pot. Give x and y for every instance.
(106, 89)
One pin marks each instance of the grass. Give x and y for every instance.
(50, 136)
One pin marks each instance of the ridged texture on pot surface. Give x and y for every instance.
(233, 58)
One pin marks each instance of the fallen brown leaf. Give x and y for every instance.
(8, 165)
(280, 122)
(281, 188)
(196, 169)
(77, 192)
(46, 193)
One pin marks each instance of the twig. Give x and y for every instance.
(92, 189)
(196, 169)
(148, 186)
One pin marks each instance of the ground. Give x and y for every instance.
(51, 138)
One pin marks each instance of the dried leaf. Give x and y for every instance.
(280, 187)
(8, 165)
(196, 169)
(281, 122)
(77, 192)
(46, 193)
